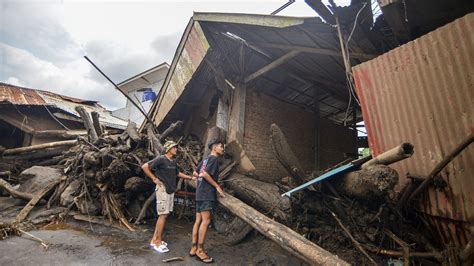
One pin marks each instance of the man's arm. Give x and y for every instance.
(149, 173)
(184, 176)
(213, 183)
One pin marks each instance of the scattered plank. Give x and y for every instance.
(31, 204)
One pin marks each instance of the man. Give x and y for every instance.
(163, 171)
(207, 172)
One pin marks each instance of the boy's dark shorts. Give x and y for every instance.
(205, 205)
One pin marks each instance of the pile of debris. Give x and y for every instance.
(99, 179)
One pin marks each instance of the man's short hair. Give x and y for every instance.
(214, 142)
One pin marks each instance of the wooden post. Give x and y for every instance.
(317, 131)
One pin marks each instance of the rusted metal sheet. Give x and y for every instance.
(68, 105)
(19, 96)
(423, 93)
(192, 52)
(24, 96)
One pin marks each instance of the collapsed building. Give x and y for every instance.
(31, 117)
(280, 92)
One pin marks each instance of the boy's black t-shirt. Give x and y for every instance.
(166, 170)
(204, 190)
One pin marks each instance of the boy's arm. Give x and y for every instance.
(213, 183)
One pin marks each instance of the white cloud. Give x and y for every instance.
(42, 43)
(14, 81)
(70, 79)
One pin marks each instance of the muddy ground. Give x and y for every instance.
(81, 243)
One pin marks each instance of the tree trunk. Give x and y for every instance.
(288, 239)
(93, 137)
(64, 134)
(375, 181)
(40, 147)
(263, 196)
(285, 155)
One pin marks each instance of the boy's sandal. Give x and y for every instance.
(206, 259)
(193, 251)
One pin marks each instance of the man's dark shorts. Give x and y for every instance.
(205, 205)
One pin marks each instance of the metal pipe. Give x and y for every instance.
(287, 4)
(396, 154)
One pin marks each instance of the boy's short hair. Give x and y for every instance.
(214, 142)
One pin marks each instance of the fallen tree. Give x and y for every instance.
(280, 234)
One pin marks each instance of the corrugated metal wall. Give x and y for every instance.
(423, 93)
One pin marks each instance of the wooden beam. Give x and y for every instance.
(40, 147)
(313, 50)
(271, 66)
(22, 125)
(317, 130)
(322, 10)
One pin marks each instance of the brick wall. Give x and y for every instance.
(298, 126)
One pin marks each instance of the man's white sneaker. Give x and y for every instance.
(162, 242)
(161, 249)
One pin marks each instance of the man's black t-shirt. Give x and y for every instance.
(204, 190)
(166, 170)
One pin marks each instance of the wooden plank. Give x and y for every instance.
(272, 65)
(32, 203)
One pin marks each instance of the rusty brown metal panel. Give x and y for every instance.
(194, 50)
(19, 96)
(423, 93)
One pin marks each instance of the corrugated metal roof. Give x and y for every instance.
(68, 106)
(264, 39)
(19, 95)
(423, 93)
(24, 96)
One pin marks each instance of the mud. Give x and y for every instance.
(81, 243)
